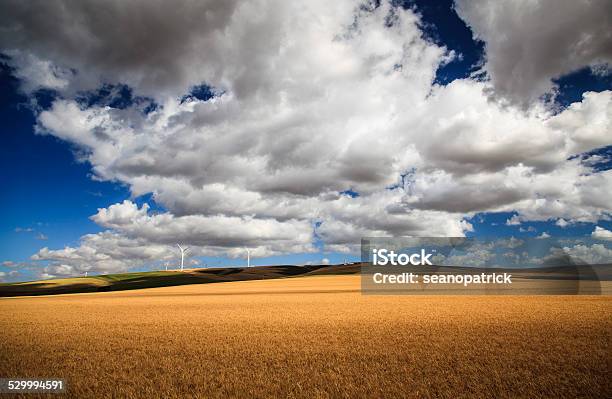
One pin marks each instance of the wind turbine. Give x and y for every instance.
(183, 250)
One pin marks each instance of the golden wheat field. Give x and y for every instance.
(308, 337)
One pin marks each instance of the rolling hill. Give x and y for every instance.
(130, 281)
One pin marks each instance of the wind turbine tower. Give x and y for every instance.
(248, 257)
(183, 250)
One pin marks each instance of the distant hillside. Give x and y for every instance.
(130, 281)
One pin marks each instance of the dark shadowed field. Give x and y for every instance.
(139, 280)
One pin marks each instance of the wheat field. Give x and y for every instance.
(308, 337)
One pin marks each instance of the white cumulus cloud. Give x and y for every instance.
(529, 43)
(311, 99)
(601, 234)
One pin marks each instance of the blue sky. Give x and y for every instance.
(50, 189)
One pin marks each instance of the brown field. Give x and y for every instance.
(309, 337)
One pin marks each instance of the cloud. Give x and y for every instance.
(11, 275)
(39, 236)
(476, 257)
(143, 53)
(590, 254)
(309, 100)
(16, 265)
(601, 234)
(510, 243)
(104, 252)
(513, 221)
(36, 73)
(325, 261)
(59, 270)
(529, 43)
(270, 235)
(543, 236)
(562, 223)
